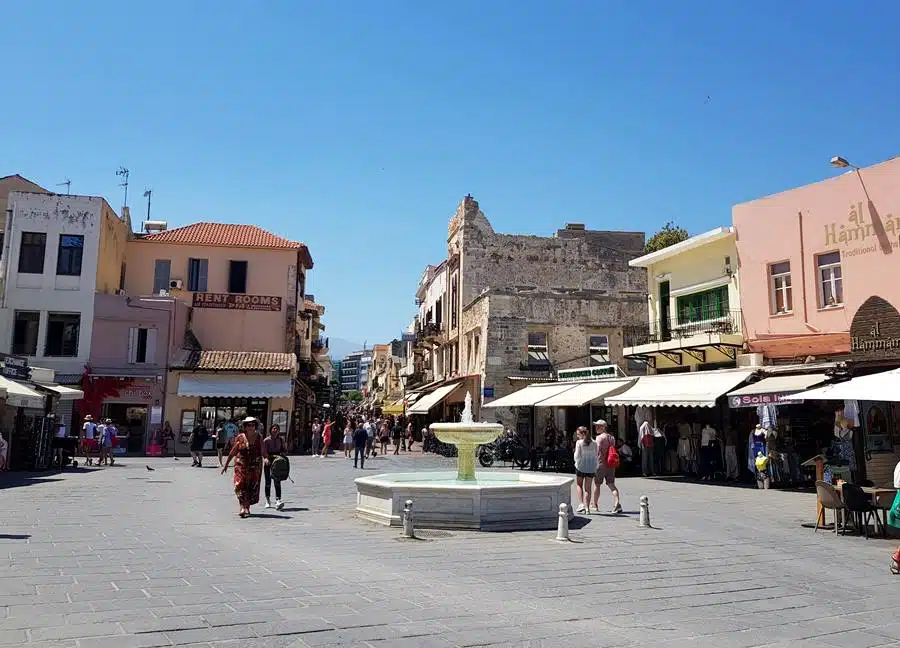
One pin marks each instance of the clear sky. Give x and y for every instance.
(357, 126)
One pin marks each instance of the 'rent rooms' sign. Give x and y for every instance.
(231, 301)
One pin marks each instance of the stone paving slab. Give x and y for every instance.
(165, 562)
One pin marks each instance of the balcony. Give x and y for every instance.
(696, 338)
(430, 332)
(320, 346)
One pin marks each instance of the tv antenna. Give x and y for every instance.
(123, 173)
(147, 194)
(68, 184)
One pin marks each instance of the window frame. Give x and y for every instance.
(787, 291)
(721, 310)
(598, 350)
(198, 282)
(62, 343)
(23, 246)
(232, 263)
(835, 282)
(37, 335)
(538, 355)
(73, 256)
(156, 264)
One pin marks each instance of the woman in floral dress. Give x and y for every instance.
(248, 452)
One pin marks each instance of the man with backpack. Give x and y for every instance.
(607, 462)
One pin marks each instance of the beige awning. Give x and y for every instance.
(884, 386)
(583, 393)
(426, 402)
(64, 393)
(19, 395)
(773, 390)
(531, 395)
(694, 389)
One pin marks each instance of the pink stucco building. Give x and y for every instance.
(820, 276)
(243, 285)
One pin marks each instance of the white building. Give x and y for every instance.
(58, 251)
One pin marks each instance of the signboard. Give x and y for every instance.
(15, 367)
(875, 331)
(488, 392)
(586, 373)
(231, 301)
(755, 400)
(408, 337)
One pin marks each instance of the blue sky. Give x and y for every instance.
(357, 126)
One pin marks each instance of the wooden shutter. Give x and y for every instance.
(132, 345)
(203, 272)
(151, 346)
(162, 271)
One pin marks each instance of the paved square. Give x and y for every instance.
(123, 557)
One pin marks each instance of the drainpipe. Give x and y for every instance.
(803, 275)
(7, 244)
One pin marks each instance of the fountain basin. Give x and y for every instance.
(494, 501)
(466, 433)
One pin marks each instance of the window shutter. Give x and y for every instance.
(132, 345)
(161, 273)
(151, 346)
(202, 275)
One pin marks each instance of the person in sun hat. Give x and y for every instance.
(248, 452)
(88, 431)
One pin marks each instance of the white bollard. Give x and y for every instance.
(645, 512)
(408, 527)
(562, 528)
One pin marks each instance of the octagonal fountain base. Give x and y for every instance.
(494, 501)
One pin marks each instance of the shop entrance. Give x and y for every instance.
(216, 412)
(130, 420)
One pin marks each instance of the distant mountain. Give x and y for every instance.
(339, 347)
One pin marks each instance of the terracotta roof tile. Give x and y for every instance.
(226, 235)
(235, 361)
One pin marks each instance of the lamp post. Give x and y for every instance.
(839, 162)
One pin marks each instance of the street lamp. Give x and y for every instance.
(839, 162)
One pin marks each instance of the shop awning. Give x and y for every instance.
(426, 402)
(694, 389)
(19, 395)
(583, 393)
(235, 385)
(884, 386)
(393, 408)
(531, 395)
(64, 393)
(773, 390)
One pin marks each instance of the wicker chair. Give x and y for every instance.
(831, 500)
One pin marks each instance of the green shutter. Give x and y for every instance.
(706, 305)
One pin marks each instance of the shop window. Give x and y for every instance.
(703, 306)
(162, 272)
(831, 288)
(538, 353)
(62, 335)
(280, 418)
(598, 347)
(71, 251)
(782, 300)
(237, 276)
(142, 345)
(188, 421)
(31, 252)
(198, 271)
(26, 325)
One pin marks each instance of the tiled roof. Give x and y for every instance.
(225, 235)
(235, 361)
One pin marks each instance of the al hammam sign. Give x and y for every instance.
(859, 231)
(875, 331)
(231, 301)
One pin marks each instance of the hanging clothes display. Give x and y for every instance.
(851, 412)
(768, 416)
(756, 446)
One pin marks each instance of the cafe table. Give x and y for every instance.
(882, 499)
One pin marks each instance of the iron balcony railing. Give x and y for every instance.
(429, 331)
(685, 324)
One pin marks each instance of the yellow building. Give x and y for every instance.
(695, 317)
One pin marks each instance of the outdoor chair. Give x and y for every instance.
(860, 504)
(831, 500)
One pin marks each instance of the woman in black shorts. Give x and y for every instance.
(585, 468)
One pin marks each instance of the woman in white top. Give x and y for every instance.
(585, 467)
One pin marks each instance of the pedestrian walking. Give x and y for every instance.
(397, 435)
(326, 437)
(369, 427)
(360, 442)
(585, 468)
(112, 441)
(384, 436)
(645, 440)
(103, 443)
(199, 437)
(275, 447)
(606, 466)
(248, 453)
(409, 436)
(88, 431)
(316, 437)
(221, 442)
(348, 438)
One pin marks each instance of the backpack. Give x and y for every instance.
(647, 440)
(612, 457)
(280, 468)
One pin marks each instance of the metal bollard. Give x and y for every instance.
(408, 527)
(645, 512)
(562, 528)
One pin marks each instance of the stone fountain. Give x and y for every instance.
(492, 500)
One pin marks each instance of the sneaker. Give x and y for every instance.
(581, 509)
(279, 505)
(268, 504)
(618, 509)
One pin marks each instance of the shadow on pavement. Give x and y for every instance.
(14, 536)
(19, 479)
(271, 516)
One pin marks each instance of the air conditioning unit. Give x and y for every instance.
(176, 284)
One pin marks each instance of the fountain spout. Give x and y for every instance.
(467, 410)
(466, 436)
